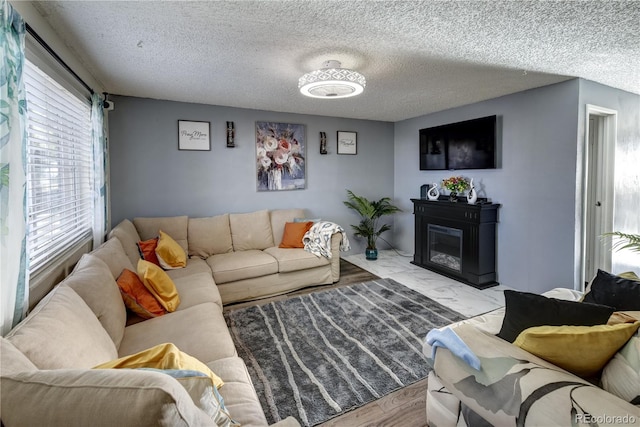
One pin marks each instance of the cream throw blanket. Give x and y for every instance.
(318, 239)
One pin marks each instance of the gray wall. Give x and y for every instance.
(151, 177)
(626, 210)
(535, 182)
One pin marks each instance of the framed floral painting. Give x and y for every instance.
(280, 156)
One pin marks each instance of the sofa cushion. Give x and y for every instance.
(137, 297)
(293, 234)
(524, 310)
(295, 259)
(162, 356)
(194, 266)
(209, 236)
(98, 397)
(12, 361)
(112, 253)
(241, 265)
(126, 232)
(159, 284)
(92, 280)
(582, 350)
(238, 392)
(147, 250)
(251, 231)
(170, 254)
(174, 226)
(615, 291)
(200, 331)
(197, 289)
(278, 219)
(62, 332)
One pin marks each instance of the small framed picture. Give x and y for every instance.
(194, 135)
(347, 142)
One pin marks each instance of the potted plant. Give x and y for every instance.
(370, 212)
(625, 241)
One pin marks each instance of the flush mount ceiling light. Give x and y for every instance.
(332, 82)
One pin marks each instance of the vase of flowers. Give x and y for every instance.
(455, 185)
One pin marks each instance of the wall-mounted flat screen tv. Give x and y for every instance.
(464, 145)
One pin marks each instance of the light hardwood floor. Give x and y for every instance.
(404, 407)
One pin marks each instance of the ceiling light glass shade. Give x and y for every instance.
(332, 82)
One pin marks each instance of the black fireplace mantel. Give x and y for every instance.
(457, 240)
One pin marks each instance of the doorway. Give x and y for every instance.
(600, 139)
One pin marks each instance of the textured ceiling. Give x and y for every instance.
(418, 56)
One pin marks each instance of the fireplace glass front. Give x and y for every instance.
(445, 246)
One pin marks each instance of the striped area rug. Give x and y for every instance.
(319, 355)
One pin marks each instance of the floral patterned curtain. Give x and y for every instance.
(99, 171)
(14, 272)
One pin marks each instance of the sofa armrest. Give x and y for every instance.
(516, 387)
(335, 256)
(97, 397)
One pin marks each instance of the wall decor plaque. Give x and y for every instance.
(194, 135)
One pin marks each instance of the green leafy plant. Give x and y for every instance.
(370, 213)
(624, 241)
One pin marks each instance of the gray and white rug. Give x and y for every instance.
(319, 355)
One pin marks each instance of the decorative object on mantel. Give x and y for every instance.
(332, 82)
(455, 185)
(323, 143)
(433, 192)
(369, 213)
(280, 156)
(347, 142)
(472, 195)
(231, 135)
(193, 136)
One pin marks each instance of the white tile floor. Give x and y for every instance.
(465, 299)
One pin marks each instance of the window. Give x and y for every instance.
(59, 168)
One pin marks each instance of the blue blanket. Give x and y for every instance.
(448, 339)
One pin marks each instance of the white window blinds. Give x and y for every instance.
(59, 168)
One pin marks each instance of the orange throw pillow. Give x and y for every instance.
(293, 234)
(147, 250)
(136, 297)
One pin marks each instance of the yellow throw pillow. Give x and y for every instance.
(162, 356)
(170, 253)
(159, 284)
(582, 350)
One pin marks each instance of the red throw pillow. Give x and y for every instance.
(136, 297)
(147, 250)
(293, 234)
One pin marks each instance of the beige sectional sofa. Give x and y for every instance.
(240, 250)
(47, 360)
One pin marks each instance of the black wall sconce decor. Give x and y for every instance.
(231, 135)
(323, 143)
